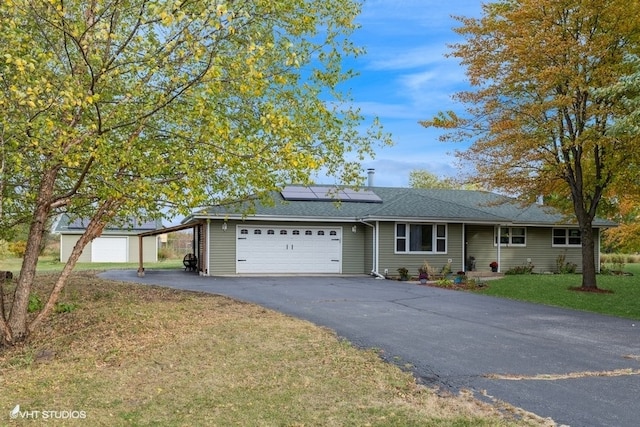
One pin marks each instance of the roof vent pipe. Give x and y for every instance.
(370, 172)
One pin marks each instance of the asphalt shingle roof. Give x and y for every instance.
(65, 224)
(412, 204)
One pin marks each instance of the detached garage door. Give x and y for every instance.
(109, 249)
(288, 250)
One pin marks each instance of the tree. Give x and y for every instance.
(537, 123)
(119, 109)
(625, 237)
(425, 179)
(625, 192)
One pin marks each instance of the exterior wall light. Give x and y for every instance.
(224, 226)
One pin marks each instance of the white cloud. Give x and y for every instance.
(402, 59)
(406, 77)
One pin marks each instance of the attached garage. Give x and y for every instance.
(283, 249)
(109, 249)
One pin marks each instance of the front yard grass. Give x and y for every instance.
(624, 301)
(49, 264)
(138, 355)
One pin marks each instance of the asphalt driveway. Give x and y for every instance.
(586, 365)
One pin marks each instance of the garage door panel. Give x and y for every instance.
(288, 250)
(109, 249)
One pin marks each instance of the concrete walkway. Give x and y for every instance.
(580, 369)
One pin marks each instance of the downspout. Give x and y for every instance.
(208, 248)
(375, 249)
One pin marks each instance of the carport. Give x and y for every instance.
(199, 249)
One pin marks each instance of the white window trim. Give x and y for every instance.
(510, 244)
(407, 238)
(566, 243)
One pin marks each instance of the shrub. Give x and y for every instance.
(165, 253)
(605, 270)
(446, 269)
(521, 269)
(18, 248)
(65, 307)
(444, 283)
(568, 268)
(35, 303)
(404, 273)
(426, 268)
(613, 263)
(618, 262)
(474, 285)
(564, 267)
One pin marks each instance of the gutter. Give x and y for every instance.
(374, 271)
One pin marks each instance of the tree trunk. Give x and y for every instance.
(93, 230)
(15, 329)
(7, 336)
(588, 258)
(17, 321)
(584, 214)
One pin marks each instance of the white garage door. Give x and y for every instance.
(266, 249)
(109, 249)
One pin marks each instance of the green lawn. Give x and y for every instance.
(51, 265)
(554, 290)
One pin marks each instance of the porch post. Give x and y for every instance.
(140, 252)
(464, 247)
(499, 245)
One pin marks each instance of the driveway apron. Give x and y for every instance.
(578, 368)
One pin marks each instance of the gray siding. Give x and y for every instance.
(539, 250)
(222, 247)
(357, 249)
(391, 261)
(149, 248)
(354, 252)
(368, 248)
(67, 242)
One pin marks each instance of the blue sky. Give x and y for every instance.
(405, 77)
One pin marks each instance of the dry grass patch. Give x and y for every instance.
(137, 355)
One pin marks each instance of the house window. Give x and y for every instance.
(244, 231)
(333, 233)
(320, 233)
(283, 232)
(257, 231)
(511, 236)
(308, 233)
(566, 237)
(296, 232)
(421, 238)
(270, 232)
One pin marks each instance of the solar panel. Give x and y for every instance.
(326, 193)
(298, 193)
(318, 193)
